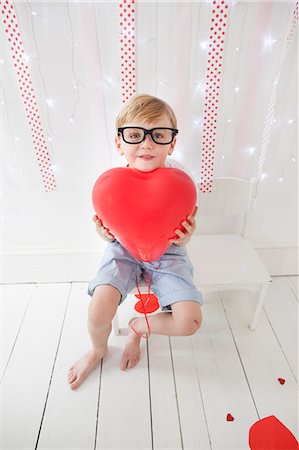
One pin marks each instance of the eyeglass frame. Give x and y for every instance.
(120, 131)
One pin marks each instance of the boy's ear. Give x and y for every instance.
(171, 148)
(118, 145)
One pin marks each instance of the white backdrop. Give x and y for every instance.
(72, 51)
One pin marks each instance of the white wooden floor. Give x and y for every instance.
(179, 395)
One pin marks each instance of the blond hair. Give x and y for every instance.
(145, 108)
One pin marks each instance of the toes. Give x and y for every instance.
(70, 374)
(131, 363)
(128, 362)
(75, 381)
(75, 385)
(124, 362)
(71, 377)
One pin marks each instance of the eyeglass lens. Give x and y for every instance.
(159, 136)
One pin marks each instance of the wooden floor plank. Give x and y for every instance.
(293, 282)
(282, 312)
(70, 416)
(190, 386)
(166, 425)
(191, 409)
(14, 299)
(124, 416)
(263, 361)
(223, 383)
(25, 383)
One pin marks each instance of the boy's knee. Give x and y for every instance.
(103, 306)
(189, 326)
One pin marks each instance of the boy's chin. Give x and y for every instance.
(146, 167)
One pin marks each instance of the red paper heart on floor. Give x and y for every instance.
(143, 209)
(281, 380)
(148, 303)
(270, 434)
(230, 418)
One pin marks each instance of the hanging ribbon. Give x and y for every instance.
(127, 48)
(213, 78)
(12, 30)
(269, 119)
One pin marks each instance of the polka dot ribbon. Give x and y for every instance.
(13, 34)
(127, 48)
(213, 77)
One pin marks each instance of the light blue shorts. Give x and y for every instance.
(171, 276)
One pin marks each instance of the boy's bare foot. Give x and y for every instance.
(82, 368)
(131, 354)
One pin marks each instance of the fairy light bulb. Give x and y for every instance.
(50, 102)
(268, 42)
(251, 150)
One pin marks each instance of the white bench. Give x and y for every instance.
(222, 255)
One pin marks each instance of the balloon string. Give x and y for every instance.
(148, 282)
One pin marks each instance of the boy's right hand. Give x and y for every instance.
(102, 231)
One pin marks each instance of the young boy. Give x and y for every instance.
(146, 135)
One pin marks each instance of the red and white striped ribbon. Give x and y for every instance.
(127, 48)
(213, 78)
(13, 34)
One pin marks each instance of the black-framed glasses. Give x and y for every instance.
(135, 135)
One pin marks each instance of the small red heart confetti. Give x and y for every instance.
(230, 418)
(281, 380)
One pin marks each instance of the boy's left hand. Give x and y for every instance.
(185, 236)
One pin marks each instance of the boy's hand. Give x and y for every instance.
(185, 236)
(102, 231)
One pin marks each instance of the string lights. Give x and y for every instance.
(214, 45)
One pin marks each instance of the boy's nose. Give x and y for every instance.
(147, 142)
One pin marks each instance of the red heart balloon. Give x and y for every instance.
(143, 209)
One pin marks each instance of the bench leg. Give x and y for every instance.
(260, 301)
